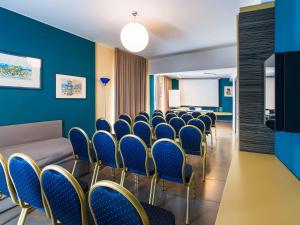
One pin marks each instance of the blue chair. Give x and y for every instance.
(213, 118)
(65, 198)
(25, 175)
(6, 186)
(154, 114)
(107, 154)
(145, 114)
(192, 108)
(81, 147)
(143, 131)
(122, 128)
(170, 116)
(158, 110)
(186, 117)
(112, 204)
(103, 124)
(141, 118)
(126, 117)
(169, 111)
(170, 165)
(201, 126)
(135, 158)
(191, 140)
(177, 123)
(157, 120)
(196, 114)
(180, 113)
(207, 121)
(165, 130)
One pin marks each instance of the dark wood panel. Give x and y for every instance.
(256, 44)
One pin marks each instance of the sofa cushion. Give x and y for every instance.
(42, 152)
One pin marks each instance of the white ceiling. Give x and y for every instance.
(203, 74)
(174, 25)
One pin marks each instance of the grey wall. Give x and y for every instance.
(216, 58)
(256, 41)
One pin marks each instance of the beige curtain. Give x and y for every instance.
(167, 87)
(131, 75)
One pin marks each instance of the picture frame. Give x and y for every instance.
(70, 87)
(17, 71)
(228, 91)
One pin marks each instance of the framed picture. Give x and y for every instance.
(70, 86)
(228, 91)
(20, 71)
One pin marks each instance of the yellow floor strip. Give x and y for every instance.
(259, 190)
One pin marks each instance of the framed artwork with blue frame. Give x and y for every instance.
(18, 71)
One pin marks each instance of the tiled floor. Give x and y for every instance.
(203, 209)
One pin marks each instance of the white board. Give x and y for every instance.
(199, 92)
(174, 98)
(270, 93)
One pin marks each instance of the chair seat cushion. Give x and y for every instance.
(191, 152)
(158, 216)
(188, 174)
(151, 169)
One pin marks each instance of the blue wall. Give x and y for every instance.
(175, 84)
(152, 95)
(287, 38)
(60, 52)
(225, 102)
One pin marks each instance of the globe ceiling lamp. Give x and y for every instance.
(134, 36)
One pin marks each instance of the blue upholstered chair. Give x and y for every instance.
(169, 111)
(154, 114)
(6, 186)
(165, 130)
(158, 110)
(25, 175)
(170, 116)
(64, 196)
(107, 154)
(141, 118)
(82, 150)
(201, 126)
(191, 140)
(135, 158)
(186, 117)
(122, 128)
(196, 114)
(145, 114)
(103, 124)
(157, 120)
(126, 117)
(213, 118)
(180, 113)
(192, 108)
(143, 131)
(177, 123)
(207, 121)
(112, 204)
(170, 165)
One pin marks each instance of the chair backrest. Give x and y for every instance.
(6, 186)
(112, 204)
(154, 114)
(126, 117)
(25, 174)
(165, 130)
(180, 113)
(105, 147)
(141, 118)
(122, 128)
(191, 138)
(186, 117)
(213, 117)
(207, 121)
(80, 143)
(103, 124)
(199, 124)
(64, 196)
(158, 110)
(169, 160)
(134, 154)
(143, 131)
(145, 114)
(157, 120)
(196, 114)
(177, 123)
(169, 111)
(170, 116)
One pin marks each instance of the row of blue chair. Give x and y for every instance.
(57, 193)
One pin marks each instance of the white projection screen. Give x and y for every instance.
(199, 92)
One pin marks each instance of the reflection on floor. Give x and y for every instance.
(203, 209)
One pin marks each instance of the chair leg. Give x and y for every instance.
(153, 191)
(187, 219)
(94, 174)
(23, 215)
(113, 173)
(74, 167)
(123, 175)
(164, 186)
(136, 181)
(97, 173)
(204, 167)
(211, 140)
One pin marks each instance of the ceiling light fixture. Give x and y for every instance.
(134, 36)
